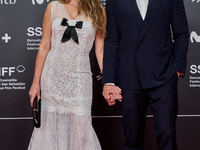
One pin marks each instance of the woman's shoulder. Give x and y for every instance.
(53, 3)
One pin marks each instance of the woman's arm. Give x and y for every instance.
(44, 48)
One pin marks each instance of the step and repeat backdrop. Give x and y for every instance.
(20, 36)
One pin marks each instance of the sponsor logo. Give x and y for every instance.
(7, 2)
(38, 1)
(196, 1)
(6, 37)
(194, 37)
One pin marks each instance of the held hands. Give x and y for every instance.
(34, 91)
(112, 93)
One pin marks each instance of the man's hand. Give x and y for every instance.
(179, 74)
(112, 93)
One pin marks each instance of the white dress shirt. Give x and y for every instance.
(142, 6)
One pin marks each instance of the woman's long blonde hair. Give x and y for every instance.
(92, 8)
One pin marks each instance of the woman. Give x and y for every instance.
(63, 72)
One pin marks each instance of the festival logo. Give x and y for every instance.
(8, 80)
(31, 31)
(194, 69)
(9, 71)
(194, 37)
(34, 38)
(194, 78)
(38, 1)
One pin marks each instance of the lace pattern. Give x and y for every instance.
(66, 88)
(53, 135)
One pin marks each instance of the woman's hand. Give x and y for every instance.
(112, 93)
(34, 91)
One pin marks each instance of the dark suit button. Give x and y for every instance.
(155, 46)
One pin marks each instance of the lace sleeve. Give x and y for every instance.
(57, 10)
(53, 8)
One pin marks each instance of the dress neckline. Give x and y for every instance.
(69, 14)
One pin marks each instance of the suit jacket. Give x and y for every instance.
(139, 53)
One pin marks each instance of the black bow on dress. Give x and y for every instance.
(70, 32)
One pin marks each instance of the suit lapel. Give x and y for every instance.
(152, 11)
(133, 12)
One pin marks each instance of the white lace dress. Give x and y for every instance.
(66, 88)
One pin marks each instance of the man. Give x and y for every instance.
(145, 53)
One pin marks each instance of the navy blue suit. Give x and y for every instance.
(143, 56)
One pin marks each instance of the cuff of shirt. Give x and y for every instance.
(110, 84)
